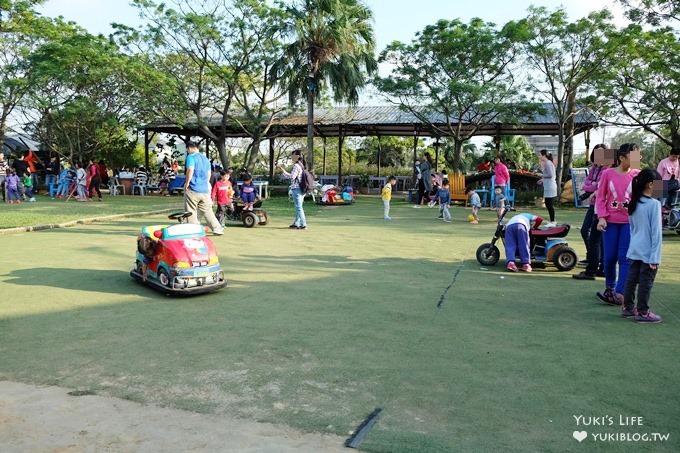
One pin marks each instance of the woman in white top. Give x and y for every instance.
(549, 185)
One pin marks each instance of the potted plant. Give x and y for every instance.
(364, 181)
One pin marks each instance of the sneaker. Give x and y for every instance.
(550, 225)
(512, 267)
(610, 297)
(447, 221)
(218, 232)
(388, 218)
(625, 313)
(527, 268)
(31, 199)
(648, 317)
(474, 222)
(583, 276)
(303, 227)
(417, 206)
(293, 227)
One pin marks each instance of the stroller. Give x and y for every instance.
(545, 245)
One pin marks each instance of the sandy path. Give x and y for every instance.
(47, 419)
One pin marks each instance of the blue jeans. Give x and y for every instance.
(298, 201)
(616, 239)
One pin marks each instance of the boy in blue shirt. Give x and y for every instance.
(443, 196)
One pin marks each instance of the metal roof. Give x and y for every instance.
(384, 121)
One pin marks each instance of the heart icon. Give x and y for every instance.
(580, 435)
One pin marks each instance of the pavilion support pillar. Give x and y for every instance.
(341, 141)
(323, 168)
(586, 138)
(416, 133)
(147, 141)
(271, 160)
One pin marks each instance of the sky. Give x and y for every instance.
(395, 20)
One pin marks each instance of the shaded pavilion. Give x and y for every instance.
(379, 121)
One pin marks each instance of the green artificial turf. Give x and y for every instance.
(317, 328)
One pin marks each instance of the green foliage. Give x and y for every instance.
(459, 71)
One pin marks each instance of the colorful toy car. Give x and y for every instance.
(178, 259)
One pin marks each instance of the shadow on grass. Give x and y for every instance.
(112, 281)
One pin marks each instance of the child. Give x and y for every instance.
(28, 185)
(499, 200)
(66, 178)
(81, 182)
(613, 196)
(12, 185)
(221, 193)
(147, 247)
(248, 192)
(475, 203)
(517, 240)
(644, 250)
(386, 195)
(443, 196)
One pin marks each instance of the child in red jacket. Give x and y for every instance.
(222, 194)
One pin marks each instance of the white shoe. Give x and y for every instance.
(550, 225)
(417, 206)
(31, 199)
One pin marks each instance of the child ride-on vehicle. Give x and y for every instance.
(249, 219)
(545, 245)
(178, 259)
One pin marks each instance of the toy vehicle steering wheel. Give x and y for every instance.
(179, 216)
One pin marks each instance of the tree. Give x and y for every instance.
(386, 151)
(21, 31)
(567, 57)
(653, 12)
(516, 152)
(81, 105)
(641, 82)
(331, 45)
(214, 60)
(461, 72)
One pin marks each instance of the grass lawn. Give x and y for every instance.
(317, 328)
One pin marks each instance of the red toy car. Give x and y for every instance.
(178, 259)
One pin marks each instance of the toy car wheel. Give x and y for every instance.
(565, 259)
(488, 255)
(163, 277)
(250, 220)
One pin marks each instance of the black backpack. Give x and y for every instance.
(306, 181)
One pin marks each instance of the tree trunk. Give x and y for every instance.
(254, 152)
(310, 122)
(569, 139)
(560, 160)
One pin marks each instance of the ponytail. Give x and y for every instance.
(639, 184)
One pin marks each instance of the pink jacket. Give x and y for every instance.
(667, 168)
(613, 194)
(502, 174)
(592, 180)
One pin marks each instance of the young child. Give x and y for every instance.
(221, 193)
(28, 185)
(644, 250)
(517, 240)
(443, 197)
(248, 192)
(147, 247)
(386, 195)
(12, 185)
(475, 204)
(499, 200)
(81, 181)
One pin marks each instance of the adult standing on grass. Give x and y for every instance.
(501, 174)
(3, 174)
(295, 175)
(549, 185)
(613, 197)
(669, 168)
(425, 182)
(592, 237)
(197, 190)
(94, 180)
(644, 250)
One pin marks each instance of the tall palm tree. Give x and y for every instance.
(332, 44)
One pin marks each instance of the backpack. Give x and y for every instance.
(306, 181)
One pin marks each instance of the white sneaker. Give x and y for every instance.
(417, 206)
(31, 199)
(550, 225)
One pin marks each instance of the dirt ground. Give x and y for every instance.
(48, 419)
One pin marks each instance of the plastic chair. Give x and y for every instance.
(114, 186)
(140, 185)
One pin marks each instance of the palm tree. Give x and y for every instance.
(332, 45)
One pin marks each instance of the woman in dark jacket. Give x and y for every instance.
(425, 183)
